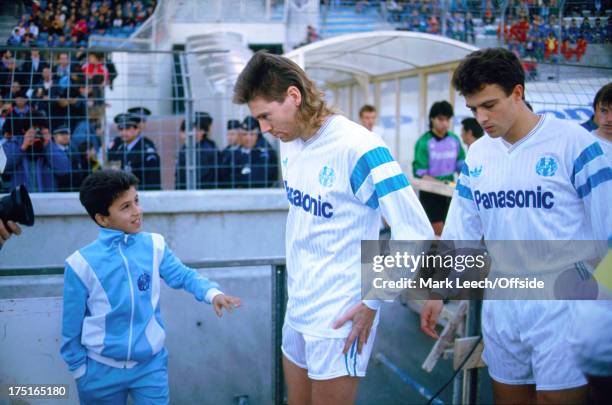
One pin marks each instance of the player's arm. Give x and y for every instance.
(591, 176)
(179, 276)
(75, 306)
(378, 182)
(462, 223)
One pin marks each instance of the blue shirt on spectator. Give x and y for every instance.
(37, 172)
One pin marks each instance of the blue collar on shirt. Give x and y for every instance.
(112, 237)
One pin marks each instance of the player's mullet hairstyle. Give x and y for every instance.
(488, 66)
(269, 76)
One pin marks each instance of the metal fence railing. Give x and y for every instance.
(62, 114)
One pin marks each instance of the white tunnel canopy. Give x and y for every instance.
(376, 53)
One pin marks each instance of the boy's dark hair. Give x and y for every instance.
(367, 108)
(488, 66)
(101, 188)
(470, 124)
(603, 96)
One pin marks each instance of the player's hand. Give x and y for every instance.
(5, 231)
(429, 317)
(225, 301)
(362, 318)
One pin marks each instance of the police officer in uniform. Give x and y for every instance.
(142, 113)
(234, 128)
(255, 165)
(136, 153)
(71, 180)
(207, 156)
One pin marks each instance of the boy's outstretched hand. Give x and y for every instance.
(225, 301)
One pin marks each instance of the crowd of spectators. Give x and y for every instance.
(52, 118)
(527, 27)
(52, 104)
(542, 38)
(425, 16)
(51, 107)
(53, 135)
(69, 23)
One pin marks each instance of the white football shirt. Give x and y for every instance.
(338, 184)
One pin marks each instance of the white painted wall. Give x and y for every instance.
(202, 224)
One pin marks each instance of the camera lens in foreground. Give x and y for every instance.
(17, 207)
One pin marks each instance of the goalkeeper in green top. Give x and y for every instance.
(438, 155)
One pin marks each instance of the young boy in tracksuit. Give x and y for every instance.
(112, 331)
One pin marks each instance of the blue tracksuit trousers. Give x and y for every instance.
(146, 383)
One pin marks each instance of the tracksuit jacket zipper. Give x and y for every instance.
(127, 269)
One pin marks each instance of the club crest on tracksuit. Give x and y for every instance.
(144, 282)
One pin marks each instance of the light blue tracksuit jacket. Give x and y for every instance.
(111, 299)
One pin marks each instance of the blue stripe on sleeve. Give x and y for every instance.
(367, 163)
(593, 181)
(373, 201)
(385, 187)
(588, 154)
(391, 184)
(464, 191)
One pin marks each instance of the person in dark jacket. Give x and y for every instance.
(228, 155)
(30, 74)
(255, 166)
(136, 154)
(207, 156)
(33, 160)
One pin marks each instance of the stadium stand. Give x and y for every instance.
(65, 24)
(51, 74)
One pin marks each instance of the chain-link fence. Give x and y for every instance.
(65, 113)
